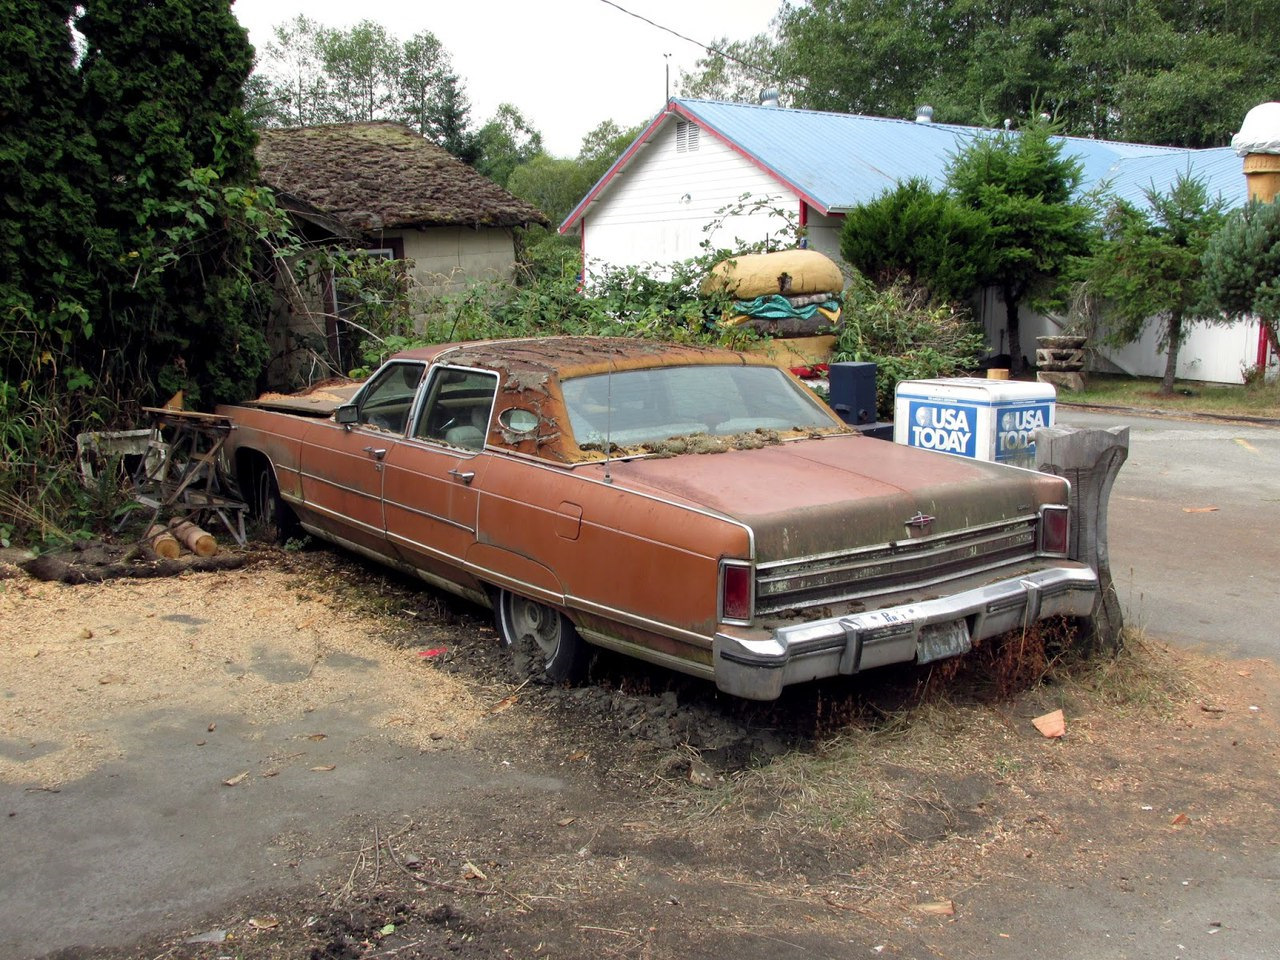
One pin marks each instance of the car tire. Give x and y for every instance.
(267, 508)
(545, 632)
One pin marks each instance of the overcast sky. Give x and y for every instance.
(567, 64)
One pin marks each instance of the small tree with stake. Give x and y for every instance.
(1149, 267)
(1025, 188)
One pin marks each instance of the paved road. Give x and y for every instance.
(1194, 575)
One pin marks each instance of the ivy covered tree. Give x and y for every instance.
(48, 291)
(163, 99)
(1022, 185)
(1149, 268)
(47, 171)
(1242, 267)
(920, 235)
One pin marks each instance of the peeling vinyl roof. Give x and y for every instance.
(380, 176)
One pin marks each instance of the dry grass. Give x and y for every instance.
(968, 717)
(1190, 397)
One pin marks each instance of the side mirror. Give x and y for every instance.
(346, 414)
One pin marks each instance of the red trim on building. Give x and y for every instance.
(680, 111)
(640, 141)
(1263, 344)
(675, 109)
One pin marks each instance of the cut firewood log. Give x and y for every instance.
(160, 540)
(198, 541)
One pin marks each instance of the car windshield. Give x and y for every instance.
(633, 407)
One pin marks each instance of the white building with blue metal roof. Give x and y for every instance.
(668, 191)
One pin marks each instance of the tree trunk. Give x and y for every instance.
(1171, 358)
(1016, 367)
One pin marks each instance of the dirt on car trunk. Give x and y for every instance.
(308, 758)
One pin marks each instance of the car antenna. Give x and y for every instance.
(608, 421)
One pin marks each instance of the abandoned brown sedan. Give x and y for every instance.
(693, 507)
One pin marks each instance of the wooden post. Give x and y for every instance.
(1090, 460)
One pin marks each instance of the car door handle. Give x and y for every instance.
(465, 477)
(376, 452)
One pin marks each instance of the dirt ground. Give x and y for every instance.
(308, 758)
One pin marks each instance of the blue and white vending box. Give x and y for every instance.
(972, 417)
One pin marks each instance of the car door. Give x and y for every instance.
(431, 478)
(343, 463)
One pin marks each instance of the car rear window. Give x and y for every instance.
(632, 407)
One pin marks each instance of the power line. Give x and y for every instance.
(697, 43)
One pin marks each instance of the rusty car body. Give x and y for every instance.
(693, 507)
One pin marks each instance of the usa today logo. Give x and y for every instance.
(947, 429)
(1017, 433)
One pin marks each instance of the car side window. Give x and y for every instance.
(459, 404)
(387, 400)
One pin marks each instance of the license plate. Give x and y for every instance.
(940, 640)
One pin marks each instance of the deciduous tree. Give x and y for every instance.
(1160, 71)
(362, 66)
(505, 142)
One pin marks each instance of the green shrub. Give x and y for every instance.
(907, 336)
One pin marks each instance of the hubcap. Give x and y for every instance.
(533, 621)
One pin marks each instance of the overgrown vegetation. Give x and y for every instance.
(549, 296)
(131, 232)
(907, 334)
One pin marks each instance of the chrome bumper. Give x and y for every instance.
(758, 668)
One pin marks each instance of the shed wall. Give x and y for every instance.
(447, 259)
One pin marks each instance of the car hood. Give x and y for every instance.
(834, 493)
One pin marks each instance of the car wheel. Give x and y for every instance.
(549, 633)
(275, 517)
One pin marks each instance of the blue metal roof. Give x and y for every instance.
(836, 161)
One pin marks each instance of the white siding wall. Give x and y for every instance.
(824, 235)
(655, 210)
(1217, 354)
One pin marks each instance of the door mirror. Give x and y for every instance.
(346, 414)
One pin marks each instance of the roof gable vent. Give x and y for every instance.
(686, 136)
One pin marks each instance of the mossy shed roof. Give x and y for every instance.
(382, 176)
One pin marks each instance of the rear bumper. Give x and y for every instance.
(757, 667)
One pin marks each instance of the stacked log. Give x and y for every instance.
(162, 542)
(198, 541)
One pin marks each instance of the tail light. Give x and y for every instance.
(1055, 530)
(737, 591)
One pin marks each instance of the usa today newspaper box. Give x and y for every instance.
(970, 417)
